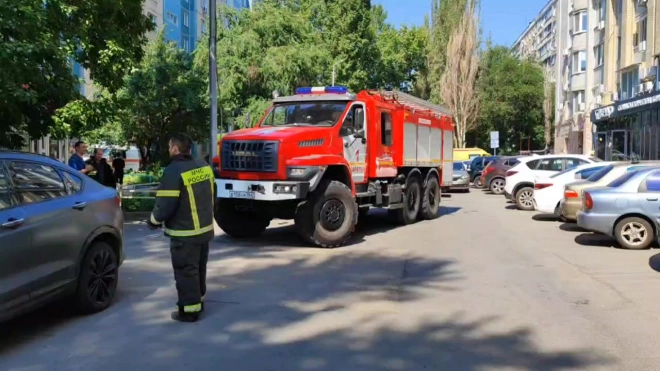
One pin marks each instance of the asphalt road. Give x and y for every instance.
(482, 287)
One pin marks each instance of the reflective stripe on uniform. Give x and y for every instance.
(192, 308)
(153, 220)
(190, 178)
(167, 193)
(194, 232)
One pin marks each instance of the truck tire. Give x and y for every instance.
(431, 199)
(238, 223)
(411, 203)
(328, 217)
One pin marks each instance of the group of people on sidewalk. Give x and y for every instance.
(97, 167)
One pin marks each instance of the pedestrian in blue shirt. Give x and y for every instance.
(76, 161)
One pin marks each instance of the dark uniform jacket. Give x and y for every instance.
(185, 200)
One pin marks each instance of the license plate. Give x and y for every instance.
(240, 194)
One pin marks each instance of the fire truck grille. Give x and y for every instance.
(249, 155)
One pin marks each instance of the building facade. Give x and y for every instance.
(627, 124)
(539, 40)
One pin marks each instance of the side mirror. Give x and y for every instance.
(359, 134)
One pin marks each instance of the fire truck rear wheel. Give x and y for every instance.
(328, 217)
(238, 223)
(411, 203)
(431, 199)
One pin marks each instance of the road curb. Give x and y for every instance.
(136, 216)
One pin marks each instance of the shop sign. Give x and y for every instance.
(625, 107)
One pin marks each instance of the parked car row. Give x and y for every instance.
(620, 199)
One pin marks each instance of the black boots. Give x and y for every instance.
(185, 317)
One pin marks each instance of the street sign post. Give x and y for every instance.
(494, 141)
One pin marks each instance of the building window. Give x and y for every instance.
(186, 19)
(578, 101)
(580, 22)
(599, 54)
(204, 4)
(629, 84)
(639, 38)
(579, 61)
(173, 18)
(601, 9)
(203, 26)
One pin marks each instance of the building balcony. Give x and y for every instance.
(598, 37)
(578, 81)
(580, 4)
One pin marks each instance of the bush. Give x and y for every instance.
(138, 204)
(142, 177)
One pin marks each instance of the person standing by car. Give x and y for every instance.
(184, 206)
(118, 165)
(101, 172)
(76, 160)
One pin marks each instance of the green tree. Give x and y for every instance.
(512, 94)
(39, 42)
(446, 16)
(163, 95)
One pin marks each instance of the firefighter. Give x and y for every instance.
(184, 206)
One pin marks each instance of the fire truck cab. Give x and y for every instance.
(324, 156)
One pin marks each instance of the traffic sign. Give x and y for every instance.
(494, 139)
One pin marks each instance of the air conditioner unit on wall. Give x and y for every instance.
(599, 99)
(566, 51)
(615, 96)
(583, 107)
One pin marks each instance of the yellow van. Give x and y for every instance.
(464, 154)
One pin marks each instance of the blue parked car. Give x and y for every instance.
(61, 235)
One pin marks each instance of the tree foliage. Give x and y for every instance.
(458, 83)
(162, 96)
(40, 39)
(512, 94)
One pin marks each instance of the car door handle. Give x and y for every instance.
(11, 223)
(651, 199)
(80, 205)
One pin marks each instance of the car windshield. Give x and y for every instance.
(458, 166)
(305, 114)
(622, 179)
(600, 174)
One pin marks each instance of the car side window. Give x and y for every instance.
(551, 164)
(73, 183)
(533, 164)
(573, 162)
(653, 182)
(7, 197)
(35, 182)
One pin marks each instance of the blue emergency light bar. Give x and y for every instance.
(323, 89)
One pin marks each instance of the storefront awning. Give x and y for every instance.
(626, 107)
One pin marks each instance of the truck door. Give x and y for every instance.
(354, 135)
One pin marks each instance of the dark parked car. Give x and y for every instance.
(477, 166)
(493, 177)
(61, 236)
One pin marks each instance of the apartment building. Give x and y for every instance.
(626, 120)
(538, 41)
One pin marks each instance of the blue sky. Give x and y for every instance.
(504, 20)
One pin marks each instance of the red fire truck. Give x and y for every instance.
(324, 156)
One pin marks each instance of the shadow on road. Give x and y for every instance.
(283, 233)
(593, 239)
(654, 262)
(340, 311)
(571, 227)
(545, 218)
(511, 206)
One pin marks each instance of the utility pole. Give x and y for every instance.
(213, 71)
(334, 66)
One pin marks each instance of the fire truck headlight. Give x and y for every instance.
(285, 188)
(302, 173)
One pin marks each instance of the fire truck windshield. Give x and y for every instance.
(305, 114)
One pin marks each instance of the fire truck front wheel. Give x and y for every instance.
(328, 217)
(238, 223)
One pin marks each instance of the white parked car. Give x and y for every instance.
(519, 185)
(549, 190)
